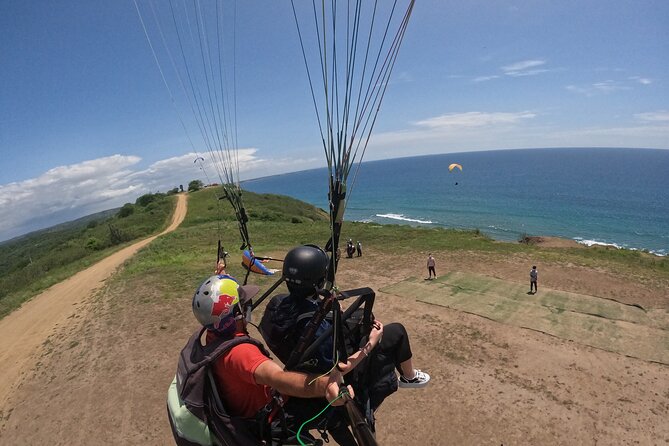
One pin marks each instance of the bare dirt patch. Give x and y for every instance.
(551, 242)
(100, 377)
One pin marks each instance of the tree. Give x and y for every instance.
(126, 210)
(145, 199)
(115, 235)
(93, 244)
(195, 185)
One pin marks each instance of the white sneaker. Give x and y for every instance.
(419, 380)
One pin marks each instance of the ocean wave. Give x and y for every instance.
(596, 243)
(403, 218)
(658, 252)
(501, 229)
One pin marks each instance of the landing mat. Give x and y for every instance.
(589, 320)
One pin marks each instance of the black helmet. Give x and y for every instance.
(305, 267)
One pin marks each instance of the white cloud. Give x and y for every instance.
(517, 69)
(641, 80)
(472, 131)
(485, 78)
(609, 86)
(661, 115)
(643, 136)
(77, 190)
(524, 68)
(603, 87)
(474, 119)
(68, 192)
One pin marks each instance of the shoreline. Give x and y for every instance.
(560, 242)
(545, 241)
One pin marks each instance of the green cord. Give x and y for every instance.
(328, 372)
(314, 417)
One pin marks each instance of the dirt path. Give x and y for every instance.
(26, 329)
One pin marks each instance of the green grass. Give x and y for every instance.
(176, 261)
(37, 261)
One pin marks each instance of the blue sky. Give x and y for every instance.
(86, 122)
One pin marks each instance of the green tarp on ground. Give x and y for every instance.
(594, 321)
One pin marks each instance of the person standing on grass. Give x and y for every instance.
(534, 274)
(358, 248)
(430, 267)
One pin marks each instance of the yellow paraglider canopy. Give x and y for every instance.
(453, 166)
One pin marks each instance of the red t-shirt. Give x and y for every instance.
(237, 386)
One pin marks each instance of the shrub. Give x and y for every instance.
(126, 210)
(93, 244)
(145, 199)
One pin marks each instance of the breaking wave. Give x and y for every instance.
(659, 252)
(403, 218)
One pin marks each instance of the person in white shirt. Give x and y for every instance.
(430, 267)
(534, 274)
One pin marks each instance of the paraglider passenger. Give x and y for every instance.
(286, 316)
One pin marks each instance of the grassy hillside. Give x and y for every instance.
(32, 263)
(176, 262)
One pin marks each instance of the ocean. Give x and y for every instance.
(596, 196)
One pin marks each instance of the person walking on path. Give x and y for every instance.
(430, 267)
(358, 248)
(534, 274)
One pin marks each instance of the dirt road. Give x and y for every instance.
(25, 330)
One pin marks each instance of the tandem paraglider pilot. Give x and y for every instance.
(227, 390)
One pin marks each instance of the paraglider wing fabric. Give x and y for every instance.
(454, 166)
(255, 265)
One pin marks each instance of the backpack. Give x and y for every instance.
(196, 413)
(281, 327)
(286, 317)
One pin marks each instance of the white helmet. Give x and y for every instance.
(217, 298)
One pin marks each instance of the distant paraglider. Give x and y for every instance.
(453, 167)
(199, 160)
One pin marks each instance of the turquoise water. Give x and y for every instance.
(617, 197)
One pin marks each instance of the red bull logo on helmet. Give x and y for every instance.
(226, 297)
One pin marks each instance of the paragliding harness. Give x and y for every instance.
(349, 329)
(234, 196)
(199, 417)
(284, 320)
(362, 425)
